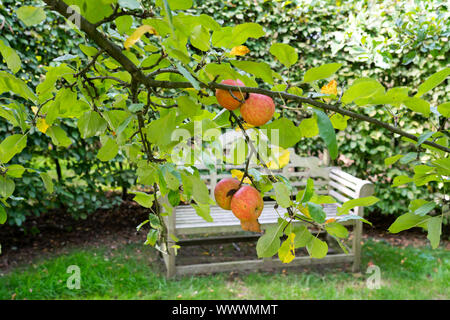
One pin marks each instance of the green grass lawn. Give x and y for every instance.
(134, 272)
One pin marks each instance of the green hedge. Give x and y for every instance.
(79, 177)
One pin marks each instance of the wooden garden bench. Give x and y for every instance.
(327, 180)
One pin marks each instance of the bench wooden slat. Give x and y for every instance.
(260, 264)
(338, 196)
(343, 189)
(344, 175)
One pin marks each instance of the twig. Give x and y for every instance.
(135, 13)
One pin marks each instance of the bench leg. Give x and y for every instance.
(169, 261)
(357, 237)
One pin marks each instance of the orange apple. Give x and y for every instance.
(258, 109)
(247, 205)
(224, 97)
(224, 191)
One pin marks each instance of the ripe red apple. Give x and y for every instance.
(224, 97)
(223, 192)
(258, 109)
(247, 205)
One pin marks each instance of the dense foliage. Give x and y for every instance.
(80, 178)
(144, 80)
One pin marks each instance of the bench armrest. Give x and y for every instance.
(352, 186)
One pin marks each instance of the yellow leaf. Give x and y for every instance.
(304, 210)
(282, 160)
(330, 88)
(245, 125)
(34, 109)
(239, 51)
(330, 220)
(286, 253)
(238, 174)
(42, 125)
(137, 34)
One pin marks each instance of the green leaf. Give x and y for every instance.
(188, 76)
(323, 72)
(392, 160)
(47, 180)
(424, 137)
(444, 109)
(259, 69)
(160, 131)
(152, 237)
(339, 121)
(282, 194)
(432, 82)
(31, 16)
(425, 208)
(203, 210)
(360, 202)
(443, 164)
(408, 157)
(394, 97)
(58, 136)
(327, 132)
(308, 127)
(144, 199)
(286, 131)
(139, 227)
(124, 23)
(11, 57)
(302, 236)
(91, 124)
(188, 106)
(286, 54)
(348, 217)
(7, 187)
(337, 230)
(317, 248)
(418, 105)
(361, 90)
(168, 11)
(200, 192)
(3, 216)
(400, 180)
(269, 243)
(108, 151)
(9, 83)
(223, 70)
(306, 195)
(244, 31)
(200, 38)
(407, 221)
(434, 227)
(15, 171)
(317, 213)
(177, 4)
(11, 146)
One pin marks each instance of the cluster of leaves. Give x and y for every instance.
(144, 83)
(77, 174)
